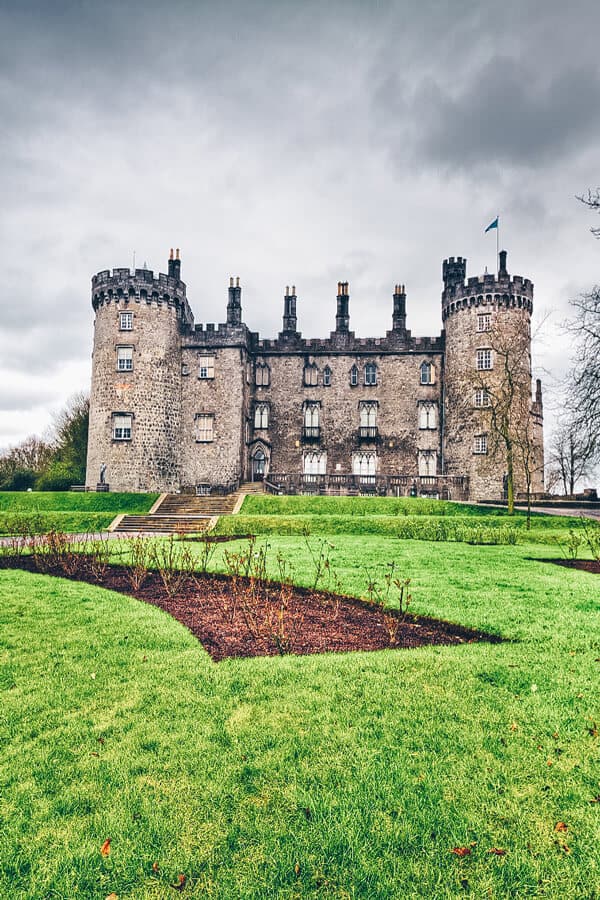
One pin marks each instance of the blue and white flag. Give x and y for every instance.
(493, 224)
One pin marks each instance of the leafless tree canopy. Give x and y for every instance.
(592, 200)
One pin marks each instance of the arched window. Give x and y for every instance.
(326, 377)
(261, 415)
(262, 375)
(368, 414)
(311, 415)
(427, 373)
(315, 463)
(353, 376)
(370, 373)
(427, 462)
(427, 415)
(364, 464)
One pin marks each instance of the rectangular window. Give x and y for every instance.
(427, 415)
(353, 376)
(484, 360)
(204, 427)
(122, 426)
(124, 359)
(262, 375)
(261, 415)
(480, 444)
(364, 465)
(370, 374)
(427, 373)
(125, 321)
(484, 322)
(311, 376)
(207, 367)
(482, 398)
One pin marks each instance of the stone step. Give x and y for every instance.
(163, 524)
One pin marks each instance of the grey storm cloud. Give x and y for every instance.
(287, 142)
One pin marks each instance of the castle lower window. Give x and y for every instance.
(427, 415)
(367, 418)
(207, 367)
(482, 398)
(261, 415)
(427, 460)
(353, 376)
(480, 444)
(326, 377)
(364, 464)
(204, 428)
(314, 463)
(121, 427)
(125, 321)
(124, 359)
(484, 360)
(484, 322)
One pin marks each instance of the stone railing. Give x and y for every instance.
(449, 487)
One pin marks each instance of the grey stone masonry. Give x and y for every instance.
(178, 406)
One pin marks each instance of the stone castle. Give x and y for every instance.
(177, 406)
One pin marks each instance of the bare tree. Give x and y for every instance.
(592, 200)
(573, 452)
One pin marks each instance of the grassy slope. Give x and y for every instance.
(397, 756)
(70, 511)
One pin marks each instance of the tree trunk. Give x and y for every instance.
(510, 483)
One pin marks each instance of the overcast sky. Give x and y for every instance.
(287, 143)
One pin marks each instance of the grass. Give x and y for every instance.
(69, 511)
(338, 776)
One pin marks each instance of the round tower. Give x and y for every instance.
(135, 401)
(488, 426)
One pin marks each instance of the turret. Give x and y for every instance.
(289, 311)
(453, 272)
(342, 318)
(399, 316)
(136, 367)
(234, 304)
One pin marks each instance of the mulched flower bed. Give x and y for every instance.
(231, 620)
(584, 565)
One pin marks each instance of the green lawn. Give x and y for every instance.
(343, 776)
(68, 511)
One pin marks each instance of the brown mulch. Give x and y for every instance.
(230, 620)
(584, 565)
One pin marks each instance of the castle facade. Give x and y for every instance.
(178, 406)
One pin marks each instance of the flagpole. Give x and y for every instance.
(498, 244)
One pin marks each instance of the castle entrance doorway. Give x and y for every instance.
(258, 465)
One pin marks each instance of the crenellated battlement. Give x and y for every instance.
(123, 285)
(501, 290)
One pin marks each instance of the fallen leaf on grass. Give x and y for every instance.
(593, 730)
(112, 896)
(560, 826)
(595, 799)
(297, 869)
(513, 726)
(565, 848)
(155, 867)
(105, 848)
(497, 851)
(461, 851)
(181, 880)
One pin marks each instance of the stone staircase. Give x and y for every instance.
(185, 513)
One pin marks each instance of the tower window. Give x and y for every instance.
(353, 376)
(480, 444)
(427, 462)
(207, 367)
(484, 360)
(427, 373)
(121, 426)
(311, 375)
(484, 322)
(262, 375)
(204, 427)
(482, 397)
(326, 377)
(370, 374)
(124, 359)
(126, 321)
(261, 415)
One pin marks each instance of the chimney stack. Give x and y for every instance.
(399, 316)
(234, 304)
(290, 321)
(342, 319)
